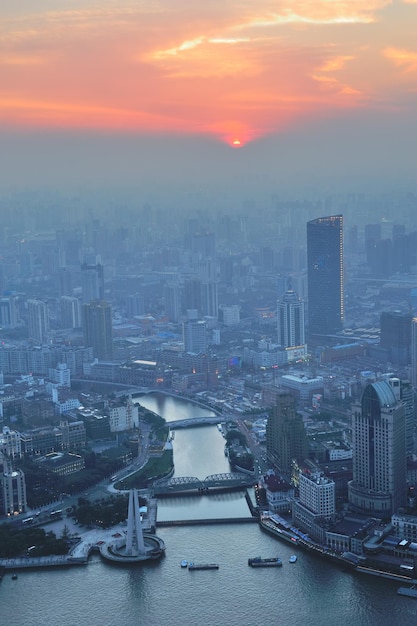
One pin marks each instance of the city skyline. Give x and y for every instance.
(119, 90)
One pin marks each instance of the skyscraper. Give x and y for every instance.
(325, 275)
(286, 439)
(92, 282)
(290, 319)
(414, 353)
(70, 312)
(38, 320)
(396, 336)
(195, 336)
(379, 485)
(97, 328)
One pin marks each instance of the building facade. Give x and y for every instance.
(97, 329)
(379, 485)
(290, 321)
(325, 275)
(286, 438)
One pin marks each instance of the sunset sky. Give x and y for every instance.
(249, 74)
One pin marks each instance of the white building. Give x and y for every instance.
(61, 375)
(317, 493)
(316, 504)
(303, 386)
(230, 314)
(123, 416)
(10, 443)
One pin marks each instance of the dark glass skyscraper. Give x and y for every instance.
(325, 275)
(97, 328)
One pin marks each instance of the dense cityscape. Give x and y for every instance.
(301, 340)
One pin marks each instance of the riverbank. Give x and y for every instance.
(324, 553)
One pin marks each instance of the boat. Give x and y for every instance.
(257, 561)
(292, 559)
(195, 566)
(14, 576)
(411, 592)
(184, 563)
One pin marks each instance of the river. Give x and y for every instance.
(310, 592)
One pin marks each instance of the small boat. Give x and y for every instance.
(257, 561)
(14, 576)
(184, 563)
(195, 566)
(292, 558)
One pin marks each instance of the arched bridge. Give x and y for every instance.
(234, 480)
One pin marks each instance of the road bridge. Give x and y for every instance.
(229, 481)
(194, 421)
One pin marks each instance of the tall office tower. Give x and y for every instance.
(70, 312)
(404, 392)
(14, 489)
(379, 485)
(97, 328)
(9, 312)
(290, 319)
(92, 282)
(325, 275)
(135, 305)
(38, 320)
(191, 295)
(172, 299)
(286, 439)
(210, 299)
(65, 281)
(396, 336)
(194, 336)
(414, 353)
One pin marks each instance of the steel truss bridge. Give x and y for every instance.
(194, 421)
(191, 483)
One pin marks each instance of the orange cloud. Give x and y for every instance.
(237, 67)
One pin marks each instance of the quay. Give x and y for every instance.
(322, 552)
(36, 562)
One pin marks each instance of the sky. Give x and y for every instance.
(266, 90)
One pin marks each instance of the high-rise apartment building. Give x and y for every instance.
(97, 329)
(92, 282)
(9, 312)
(325, 275)
(70, 312)
(379, 485)
(286, 438)
(38, 320)
(290, 320)
(195, 336)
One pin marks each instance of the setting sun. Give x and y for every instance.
(236, 143)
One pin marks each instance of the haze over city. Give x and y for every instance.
(250, 95)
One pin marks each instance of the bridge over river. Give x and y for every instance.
(195, 421)
(214, 482)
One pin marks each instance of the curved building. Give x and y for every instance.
(379, 485)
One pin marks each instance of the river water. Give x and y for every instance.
(310, 592)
